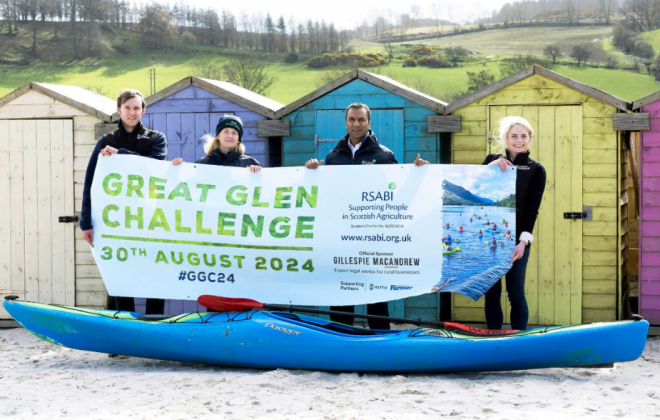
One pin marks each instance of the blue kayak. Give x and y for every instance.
(262, 339)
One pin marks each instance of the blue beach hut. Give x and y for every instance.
(404, 120)
(189, 109)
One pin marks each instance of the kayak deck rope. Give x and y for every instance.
(184, 318)
(246, 315)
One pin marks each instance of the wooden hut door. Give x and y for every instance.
(553, 284)
(36, 180)
(387, 124)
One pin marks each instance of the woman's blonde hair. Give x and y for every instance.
(211, 143)
(505, 125)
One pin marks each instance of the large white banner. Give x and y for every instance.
(337, 235)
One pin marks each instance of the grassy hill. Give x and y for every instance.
(114, 71)
(522, 40)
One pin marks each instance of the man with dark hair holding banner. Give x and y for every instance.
(130, 138)
(360, 147)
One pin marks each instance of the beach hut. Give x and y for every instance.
(649, 209)
(189, 109)
(404, 120)
(579, 260)
(46, 138)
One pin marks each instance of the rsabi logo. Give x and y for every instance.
(397, 287)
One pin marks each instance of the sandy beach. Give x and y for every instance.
(39, 380)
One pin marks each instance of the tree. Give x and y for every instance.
(155, 26)
(643, 49)
(34, 7)
(389, 50)
(479, 80)
(207, 70)
(642, 15)
(437, 10)
(552, 52)
(333, 40)
(581, 53)
(343, 39)
(611, 61)
(293, 39)
(569, 8)
(415, 12)
(249, 74)
(654, 70)
(269, 44)
(455, 54)
(281, 35)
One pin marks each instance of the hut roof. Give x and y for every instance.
(75, 96)
(530, 71)
(374, 79)
(229, 91)
(645, 100)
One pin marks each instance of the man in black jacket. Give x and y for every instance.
(130, 138)
(358, 147)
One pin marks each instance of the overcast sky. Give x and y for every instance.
(345, 14)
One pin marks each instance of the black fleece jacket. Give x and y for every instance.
(370, 153)
(129, 144)
(530, 185)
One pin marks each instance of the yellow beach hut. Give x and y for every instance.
(579, 255)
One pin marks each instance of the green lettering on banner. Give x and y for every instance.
(177, 223)
(205, 191)
(131, 186)
(223, 223)
(301, 227)
(255, 199)
(106, 220)
(174, 260)
(128, 217)
(115, 185)
(280, 197)
(285, 229)
(311, 199)
(241, 198)
(159, 220)
(224, 261)
(200, 221)
(155, 187)
(180, 190)
(209, 264)
(193, 259)
(248, 224)
(161, 257)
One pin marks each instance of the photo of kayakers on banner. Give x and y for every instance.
(335, 235)
(478, 230)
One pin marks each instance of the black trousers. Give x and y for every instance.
(379, 308)
(154, 306)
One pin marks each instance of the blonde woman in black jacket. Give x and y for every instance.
(515, 138)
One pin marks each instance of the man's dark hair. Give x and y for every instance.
(357, 105)
(127, 94)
